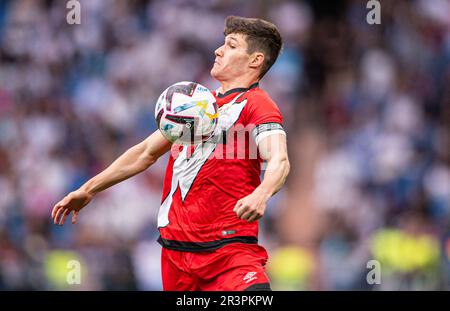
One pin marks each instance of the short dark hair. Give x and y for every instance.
(261, 36)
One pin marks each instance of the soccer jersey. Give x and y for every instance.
(204, 182)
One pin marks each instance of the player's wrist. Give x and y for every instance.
(89, 190)
(264, 192)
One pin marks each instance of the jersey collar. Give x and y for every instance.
(239, 89)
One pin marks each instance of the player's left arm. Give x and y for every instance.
(272, 149)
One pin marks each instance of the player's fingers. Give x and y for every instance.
(74, 217)
(254, 217)
(56, 208)
(247, 215)
(241, 210)
(238, 204)
(58, 215)
(60, 204)
(64, 216)
(55, 212)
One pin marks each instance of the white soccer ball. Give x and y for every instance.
(186, 113)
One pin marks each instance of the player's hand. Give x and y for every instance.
(74, 201)
(251, 207)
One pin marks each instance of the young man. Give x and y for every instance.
(211, 201)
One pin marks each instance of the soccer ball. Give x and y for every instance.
(186, 113)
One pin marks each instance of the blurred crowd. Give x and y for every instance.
(366, 109)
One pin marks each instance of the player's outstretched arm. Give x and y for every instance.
(273, 149)
(133, 161)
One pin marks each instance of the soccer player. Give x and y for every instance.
(212, 195)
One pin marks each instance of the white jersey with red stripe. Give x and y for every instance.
(204, 182)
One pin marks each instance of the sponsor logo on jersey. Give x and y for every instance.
(250, 277)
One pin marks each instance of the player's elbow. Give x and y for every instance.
(148, 160)
(286, 165)
(145, 156)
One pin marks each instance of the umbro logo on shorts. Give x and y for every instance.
(250, 277)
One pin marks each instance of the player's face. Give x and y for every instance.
(232, 59)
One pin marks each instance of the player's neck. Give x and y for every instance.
(225, 86)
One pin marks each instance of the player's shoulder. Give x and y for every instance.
(258, 93)
(259, 97)
(260, 108)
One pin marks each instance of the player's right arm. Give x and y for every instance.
(135, 160)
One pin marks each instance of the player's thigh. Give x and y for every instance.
(173, 277)
(238, 267)
(239, 278)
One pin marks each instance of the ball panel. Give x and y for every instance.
(186, 113)
(185, 89)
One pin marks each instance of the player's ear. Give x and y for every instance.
(256, 60)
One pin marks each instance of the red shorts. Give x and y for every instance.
(233, 267)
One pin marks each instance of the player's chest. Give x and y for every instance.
(231, 113)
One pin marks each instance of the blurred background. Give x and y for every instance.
(366, 109)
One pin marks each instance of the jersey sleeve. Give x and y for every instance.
(264, 117)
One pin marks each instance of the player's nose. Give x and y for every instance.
(219, 51)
